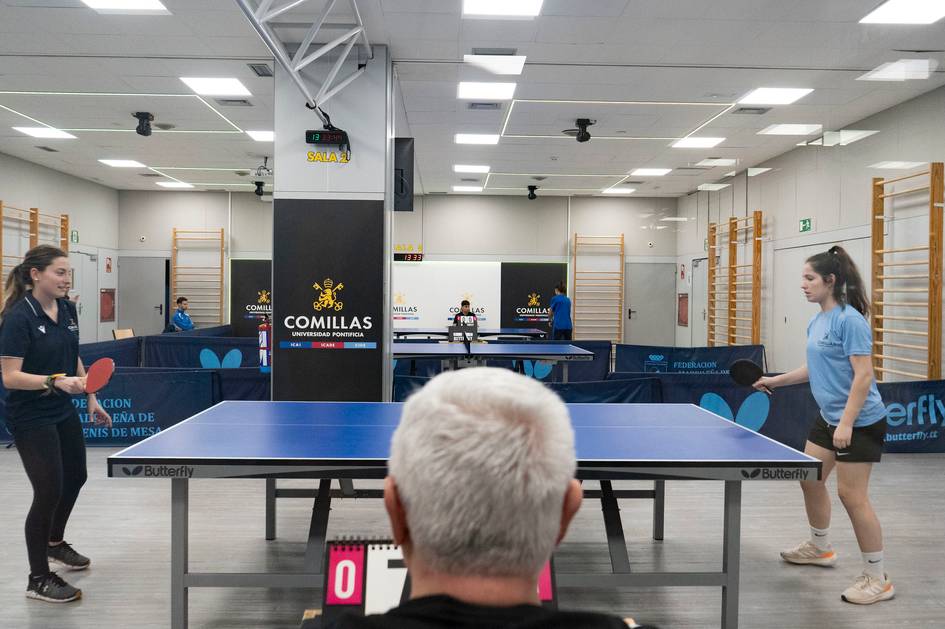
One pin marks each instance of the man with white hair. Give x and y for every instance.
(480, 491)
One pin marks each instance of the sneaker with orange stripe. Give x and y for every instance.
(869, 589)
(806, 553)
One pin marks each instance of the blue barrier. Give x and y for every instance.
(125, 352)
(209, 352)
(637, 391)
(217, 330)
(915, 416)
(661, 359)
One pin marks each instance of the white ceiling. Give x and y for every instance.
(699, 56)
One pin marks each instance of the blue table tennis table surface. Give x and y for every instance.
(551, 351)
(360, 432)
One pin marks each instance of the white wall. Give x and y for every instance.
(93, 212)
(832, 186)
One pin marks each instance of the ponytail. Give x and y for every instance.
(19, 280)
(848, 288)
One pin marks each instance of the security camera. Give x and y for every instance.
(582, 125)
(144, 122)
(259, 188)
(531, 193)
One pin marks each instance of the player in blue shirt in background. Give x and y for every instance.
(850, 429)
(182, 321)
(560, 308)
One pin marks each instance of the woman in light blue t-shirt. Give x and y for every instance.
(850, 429)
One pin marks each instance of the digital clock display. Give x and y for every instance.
(408, 257)
(323, 136)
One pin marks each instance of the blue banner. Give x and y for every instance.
(217, 330)
(660, 359)
(208, 352)
(915, 416)
(125, 352)
(637, 391)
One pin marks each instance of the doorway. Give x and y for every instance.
(698, 302)
(650, 301)
(142, 294)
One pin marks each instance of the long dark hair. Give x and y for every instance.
(848, 286)
(19, 280)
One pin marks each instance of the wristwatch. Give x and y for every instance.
(50, 380)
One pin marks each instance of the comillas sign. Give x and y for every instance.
(334, 324)
(329, 309)
(403, 310)
(250, 295)
(527, 290)
(532, 311)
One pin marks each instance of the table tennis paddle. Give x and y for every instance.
(745, 372)
(99, 374)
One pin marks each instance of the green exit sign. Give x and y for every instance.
(74, 236)
(805, 225)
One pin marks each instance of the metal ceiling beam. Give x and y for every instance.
(262, 16)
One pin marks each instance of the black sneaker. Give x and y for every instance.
(64, 555)
(52, 589)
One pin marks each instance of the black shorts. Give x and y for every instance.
(866, 446)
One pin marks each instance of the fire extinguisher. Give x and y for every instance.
(265, 347)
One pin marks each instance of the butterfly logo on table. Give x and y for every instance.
(752, 414)
(231, 360)
(136, 471)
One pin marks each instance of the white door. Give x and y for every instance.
(698, 303)
(142, 294)
(650, 304)
(85, 285)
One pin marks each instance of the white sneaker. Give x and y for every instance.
(868, 589)
(806, 553)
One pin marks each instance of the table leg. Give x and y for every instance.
(270, 509)
(179, 547)
(731, 545)
(564, 372)
(616, 542)
(318, 528)
(659, 508)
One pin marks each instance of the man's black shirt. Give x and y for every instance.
(442, 612)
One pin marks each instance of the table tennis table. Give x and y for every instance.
(525, 333)
(350, 440)
(456, 355)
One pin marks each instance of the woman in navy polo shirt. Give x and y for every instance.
(39, 357)
(850, 429)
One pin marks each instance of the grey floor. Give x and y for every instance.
(124, 526)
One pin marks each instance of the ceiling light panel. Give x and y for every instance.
(174, 184)
(470, 168)
(754, 172)
(774, 96)
(791, 129)
(467, 188)
(262, 136)
(469, 90)
(697, 143)
(497, 64)
(502, 8)
(122, 163)
(902, 70)
(906, 12)
(712, 187)
(897, 165)
(475, 138)
(650, 172)
(618, 191)
(717, 161)
(45, 132)
(216, 86)
(127, 7)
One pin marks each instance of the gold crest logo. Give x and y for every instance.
(264, 297)
(399, 299)
(328, 295)
(533, 299)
